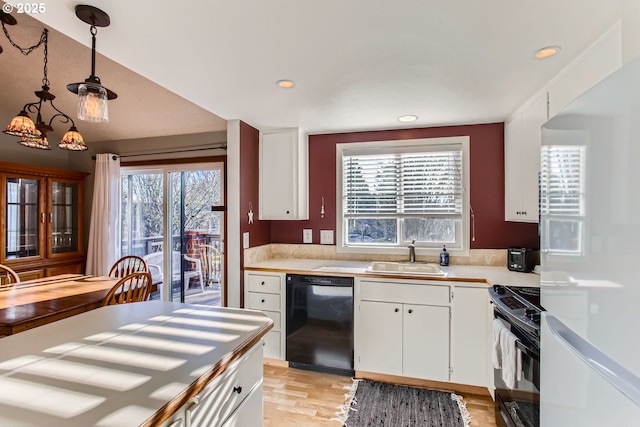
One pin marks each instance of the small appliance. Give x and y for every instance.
(522, 259)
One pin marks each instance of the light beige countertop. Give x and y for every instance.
(466, 273)
(121, 365)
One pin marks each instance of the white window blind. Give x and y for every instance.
(403, 184)
(563, 180)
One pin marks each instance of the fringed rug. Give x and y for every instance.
(371, 403)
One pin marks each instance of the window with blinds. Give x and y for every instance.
(562, 197)
(391, 196)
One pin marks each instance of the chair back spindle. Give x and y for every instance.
(135, 287)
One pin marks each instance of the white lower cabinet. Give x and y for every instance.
(379, 337)
(402, 337)
(251, 413)
(425, 342)
(470, 336)
(232, 399)
(423, 329)
(265, 292)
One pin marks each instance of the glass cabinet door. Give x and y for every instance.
(63, 219)
(22, 238)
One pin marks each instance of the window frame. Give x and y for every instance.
(398, 146)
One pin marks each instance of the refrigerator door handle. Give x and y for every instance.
(618, 376)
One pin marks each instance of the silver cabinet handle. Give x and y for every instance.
(617, 375)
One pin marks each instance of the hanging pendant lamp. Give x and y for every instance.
(92, 96)
(34, 134)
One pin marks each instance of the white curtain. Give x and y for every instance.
(104, 230)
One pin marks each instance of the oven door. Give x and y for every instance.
(520, 406)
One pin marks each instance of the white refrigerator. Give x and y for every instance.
(590, 258)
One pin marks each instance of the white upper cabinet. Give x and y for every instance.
(522, 137)
(600, 60)
(522, 133)
(283, 175)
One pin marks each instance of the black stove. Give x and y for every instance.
(520, 305)
(518, 403)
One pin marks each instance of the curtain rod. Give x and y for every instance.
(224, 147)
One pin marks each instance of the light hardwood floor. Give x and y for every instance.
(296, 398)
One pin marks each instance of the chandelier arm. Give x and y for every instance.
(63, 117)
(28, 50)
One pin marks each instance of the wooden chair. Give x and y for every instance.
(135, 287)
(8, 277)
(128, 264)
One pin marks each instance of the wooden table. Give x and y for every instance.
(41, 301)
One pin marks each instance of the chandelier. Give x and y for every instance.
(34, 135)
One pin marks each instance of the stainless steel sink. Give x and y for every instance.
(409, 268)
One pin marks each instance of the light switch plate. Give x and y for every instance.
(307, 235)
(245, 240)
(326, 237)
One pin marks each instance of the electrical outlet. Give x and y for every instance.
(326, 237)
(245, 240)
(307, 235)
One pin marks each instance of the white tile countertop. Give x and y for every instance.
(489, 275)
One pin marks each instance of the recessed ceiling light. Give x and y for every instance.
(286, 84)
(408, 118)
(546, 52)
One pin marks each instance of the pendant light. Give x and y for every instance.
(92, 96)
(34, 134)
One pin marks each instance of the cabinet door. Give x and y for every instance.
(532, 120)
(64, 218)
(379, 337)
(425, 344)
(283, 175)
(522, 161)
(250, 413)
(22, 218)
(470, 339)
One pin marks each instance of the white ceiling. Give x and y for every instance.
(357, 64)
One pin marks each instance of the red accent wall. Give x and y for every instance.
(487, 184)
(259, 231)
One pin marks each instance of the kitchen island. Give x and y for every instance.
(141, 364)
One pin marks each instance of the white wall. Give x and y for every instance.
(233, 213)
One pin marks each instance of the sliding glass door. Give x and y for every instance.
(173, 216)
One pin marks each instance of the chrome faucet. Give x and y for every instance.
(412, 251)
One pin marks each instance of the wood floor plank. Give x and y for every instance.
(294, 398)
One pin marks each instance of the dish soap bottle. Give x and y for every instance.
(444, 256)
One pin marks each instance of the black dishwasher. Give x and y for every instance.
(320, 323)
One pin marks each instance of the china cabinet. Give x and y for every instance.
(41, 212)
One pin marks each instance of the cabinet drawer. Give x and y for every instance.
(249, 413)
(261, 301)
(404, 293)
(272, 345)
(264, 283)
(221, 397)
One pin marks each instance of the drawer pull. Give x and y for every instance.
(263, 300)
(397, 310)
(410, 311)
(237, 389)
